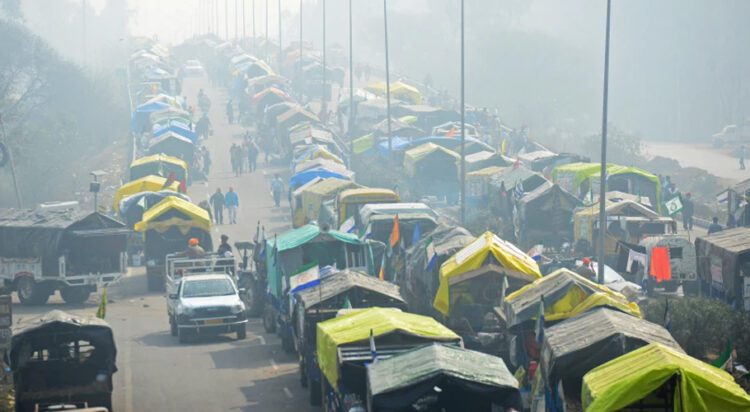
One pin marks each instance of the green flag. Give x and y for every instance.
(673, 205)
(101, 312)
(725, 357)
(347, 304)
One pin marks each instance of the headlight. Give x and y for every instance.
(186, 311)
(238, 308)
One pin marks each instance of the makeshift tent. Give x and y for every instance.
(149, 183)
(177, 128)
(633, 378)
(310, 199)
(269, 96)
(314, 151)
(257, 69)
(473, 380)
(308, 134)
(453, 130)
(566, 294)
(398, 128)
(577, 345)
(437, 156)
(132, 207)
(327, 164)
(722, 263)
(174, 212)
(399, 90)
(486, 254)
(159, 165)
(305, 176)
(513, 176)
(582, 178)
(359, 289)
(288, 252)
(546, 213)
(356, 327)
(427, 116)
(172, 144)
(294, 116)
(486, 158)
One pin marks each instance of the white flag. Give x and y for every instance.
(673, 205)
(348, 225)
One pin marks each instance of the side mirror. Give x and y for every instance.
(173, 296)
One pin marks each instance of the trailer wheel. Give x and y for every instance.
(253, 302)
(75, 294)
(241, 332)
(172, 326)
(269, 320)
(31, 293)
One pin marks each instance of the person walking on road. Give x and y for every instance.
(742, 157)
(217, 202)
(206, 161)
(277, 188)
(687, 212)
(714, 226)
(252, 155)
(235, 156)
(230, 112)
(232, 202)
(224, 247)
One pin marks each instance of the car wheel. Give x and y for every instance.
(269, 320)
(172, 326)
(241, 332)
(75, 294)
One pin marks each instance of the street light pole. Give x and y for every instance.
(301, 53)
(236, 22)
(281, 49)
(226, 20)
(266, 45)
(244, 26)
(463, 123)
(351, 86)
(603, 172)
(323, 103)
(255, 45)
(387, 79)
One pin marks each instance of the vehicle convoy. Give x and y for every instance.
(202, 296)
(345, 289)
(62, 359)
(42, 251)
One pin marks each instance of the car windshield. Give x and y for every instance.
(207, 287)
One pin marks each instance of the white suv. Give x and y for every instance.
(206, 303)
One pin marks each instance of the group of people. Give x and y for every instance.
(229, 201)
(244, 157)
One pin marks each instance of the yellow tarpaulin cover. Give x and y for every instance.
(413, 156)
(472, 257)
(576, 300)
(150, 183)
(198, 217)
(314, 196)
(161, 157)
(356, 326)
(635, 375)
(363, 144)
(322, 153)
(399, 90)
(486, 172)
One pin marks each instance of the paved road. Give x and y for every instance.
(212, 374)
(703, 156)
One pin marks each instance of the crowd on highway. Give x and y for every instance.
(391, 295)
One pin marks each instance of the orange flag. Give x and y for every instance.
(395, 233)
(660, 267)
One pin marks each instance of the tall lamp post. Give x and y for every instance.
(603, 171)
(266, 45)
(350, 127)
(281, 49)
(387, 79)
(463, 124)
(323, 101)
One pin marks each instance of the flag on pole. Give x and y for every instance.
(725, 359)
(395, 233)
(416, 235)
(257, 233)
(368, 231)
(347, 303)
(373, 350)
(431, 254)
(348, 225)
(101, 312)
(503, 146)
(667, 317)
(518, 190)
(540, 322)
(674, 205)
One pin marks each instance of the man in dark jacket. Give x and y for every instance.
(218, 202)
(688, 208)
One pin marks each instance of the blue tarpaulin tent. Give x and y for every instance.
(305, 176)
(177, 128)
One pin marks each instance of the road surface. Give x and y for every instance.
(156, 373)
(716, 162)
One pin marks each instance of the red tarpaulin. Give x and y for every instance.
(660, 267)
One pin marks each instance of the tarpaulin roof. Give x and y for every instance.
(572, 175)
(159, 158)
(355, 327)
(513, 262)
(150, 183)
(412, 157)
(298, 237)
(368, 194)
(398, 382)
(149, 199)
(731, 248)
(187, 216)
(279, 94)
(39, 233)
(305, 176)
(486, 172)
(399, 90)
(577, 345)
(633, 376)
(551, 195)
(151, 107)
(324, 163)
(97, 330)
(342, 282)
(177, 128)
(288, 116)
(316, 151)
(331, 186)
(511, 176)
(566, 294)
(622, 208)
